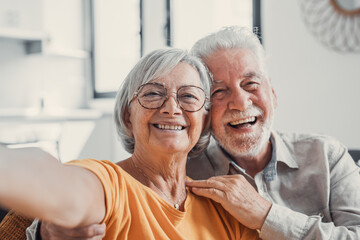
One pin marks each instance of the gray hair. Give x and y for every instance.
(153, 66)
(229, 38)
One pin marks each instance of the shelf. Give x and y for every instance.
(23, 35)
(36, 42)
(42, 48)
(56, 114)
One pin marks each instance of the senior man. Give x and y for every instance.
(288, 186)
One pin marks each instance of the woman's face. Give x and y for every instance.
(168, 128)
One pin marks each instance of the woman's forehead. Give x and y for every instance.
(183, 74)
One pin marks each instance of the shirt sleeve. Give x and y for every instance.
(109, 178)
(344, 207)
(33, 231)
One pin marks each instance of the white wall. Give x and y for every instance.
(318, 89)
(24, 79)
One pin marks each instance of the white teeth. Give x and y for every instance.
(246, 120)
(169, 127)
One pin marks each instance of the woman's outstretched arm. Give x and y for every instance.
(36, 184)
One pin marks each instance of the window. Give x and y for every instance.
(116, 43)
(124, 30)
(192, 20)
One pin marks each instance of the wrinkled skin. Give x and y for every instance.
(52, 232)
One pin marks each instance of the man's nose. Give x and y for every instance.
(239, 100)
(171, 105)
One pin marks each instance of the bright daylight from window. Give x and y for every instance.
(195, 19)
(117, 41)
(118, 46)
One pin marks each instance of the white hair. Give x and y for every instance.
(153, 66)
(229, 38)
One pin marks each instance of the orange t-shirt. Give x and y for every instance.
(134, 211)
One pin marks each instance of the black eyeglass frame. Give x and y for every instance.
(136, 94)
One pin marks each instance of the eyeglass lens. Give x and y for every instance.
(190, 98)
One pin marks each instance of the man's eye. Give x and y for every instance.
(251, 85)
(216, 93)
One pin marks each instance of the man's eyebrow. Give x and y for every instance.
(252, 74)
(217, 81)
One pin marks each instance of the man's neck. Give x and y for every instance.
(255, 164)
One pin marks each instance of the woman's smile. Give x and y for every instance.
(170, 126)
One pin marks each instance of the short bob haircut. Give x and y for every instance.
(231, 37)
(154, 66)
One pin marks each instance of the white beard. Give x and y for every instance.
(250, 144)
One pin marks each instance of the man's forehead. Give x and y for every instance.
(246, 75)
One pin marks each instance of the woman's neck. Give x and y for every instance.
(159, 167)
(164, 174)
(160, 172)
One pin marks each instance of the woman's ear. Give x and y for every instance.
(127, 120)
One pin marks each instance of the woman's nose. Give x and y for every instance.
(171, 105)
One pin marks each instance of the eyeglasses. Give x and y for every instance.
(153, 95)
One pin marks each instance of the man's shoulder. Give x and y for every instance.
(207, 164)
(311, 143)
(307, 138)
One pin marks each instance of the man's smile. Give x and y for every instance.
(247, 122)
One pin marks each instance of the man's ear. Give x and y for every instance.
(274, 98)
(206, 120)
(127, 119)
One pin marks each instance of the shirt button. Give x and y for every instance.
(321, 214)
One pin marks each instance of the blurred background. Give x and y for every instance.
(61, 63)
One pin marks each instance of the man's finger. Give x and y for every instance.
(212, 193)
(209, 183)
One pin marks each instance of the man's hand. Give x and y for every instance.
(50, 231)
(237, 196)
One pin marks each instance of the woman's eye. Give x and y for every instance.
(152, 94)
(188, 96)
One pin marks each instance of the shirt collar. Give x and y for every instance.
(280, 153)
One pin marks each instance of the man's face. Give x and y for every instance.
(243, 102)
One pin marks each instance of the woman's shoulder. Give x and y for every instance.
(105, 170)
(93, 163)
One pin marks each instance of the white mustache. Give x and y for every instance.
(250, 112)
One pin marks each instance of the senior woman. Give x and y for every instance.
(161, 117)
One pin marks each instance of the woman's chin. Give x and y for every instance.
(173, 148)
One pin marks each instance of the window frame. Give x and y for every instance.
(168, 36)
(110, 94)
